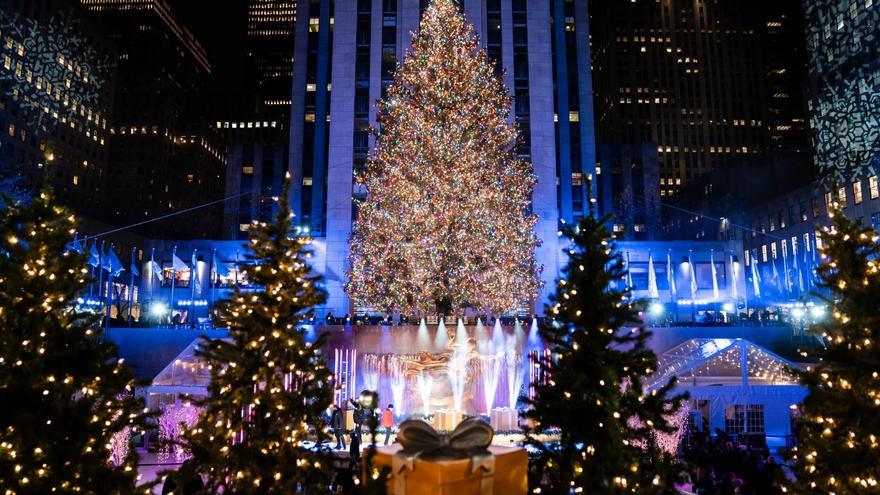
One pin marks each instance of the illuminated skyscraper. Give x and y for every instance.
(165, 156)
(55, 101)
(705, 82)
(269, 46)
(844, 64)
(346, 53)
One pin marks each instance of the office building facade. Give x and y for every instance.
(57, 92)
(345, 55)
(165, 153)
(256, 162)
(257, 135)
(269, 56)
(704, 81)
(843, 38)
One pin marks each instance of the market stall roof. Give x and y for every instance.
(722, 362)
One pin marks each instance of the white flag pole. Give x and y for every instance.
(213, 276)
(131, 287)
(193, 273)
(101, 272)
(109, 290)
(152, 267)
(173, 255)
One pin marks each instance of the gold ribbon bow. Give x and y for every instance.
(471, 438)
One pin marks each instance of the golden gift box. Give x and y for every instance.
(504, 419)
(447, 419)
(502, 471)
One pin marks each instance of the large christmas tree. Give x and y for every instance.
(68, 405)
(444, 225)
(596, 397)
(839, 438)
(269, 386)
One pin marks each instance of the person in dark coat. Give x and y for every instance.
(337, 424)
(192, 486)
(354, 451)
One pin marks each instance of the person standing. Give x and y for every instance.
(388, 421)
(337, 423)
(354, 451)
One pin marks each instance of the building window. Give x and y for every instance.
(618, 227)
(829, 200)
(841, 196)
(755, 418)
(857, 192)
(739, 418)
(764, 253)
(247, 170)
(243, 227)
(815, 206)
(874, 187)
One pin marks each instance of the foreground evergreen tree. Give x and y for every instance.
(269, 386)
(839, 438)
(442, 227)
(595, 396)
(63, 392)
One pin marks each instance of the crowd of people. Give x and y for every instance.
(729, 466)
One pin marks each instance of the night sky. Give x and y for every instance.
(220, 25)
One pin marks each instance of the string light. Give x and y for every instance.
(443, 219)
(839, 421)
(267, 385)
(70, 427)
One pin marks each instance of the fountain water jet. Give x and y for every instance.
(423, 340)
(533, 333)
(461, 335)
(490, 375)
(497, 335)
(482, 338)
(458, 365)
(370, 365)
(513, 365)
(396, 372)
(425, 384)
(441, 338)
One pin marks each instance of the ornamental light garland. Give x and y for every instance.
(445, 224)
(68, 401)
(838, 448)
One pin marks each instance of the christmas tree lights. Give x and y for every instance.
(838, 448)
(68, 401)
(269, 387)
(444, 224)
(613, 432)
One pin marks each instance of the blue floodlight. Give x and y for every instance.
(158, 309)
(656, 309)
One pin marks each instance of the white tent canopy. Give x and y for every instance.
(738, 386)
(709, 362)
(187, 374)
